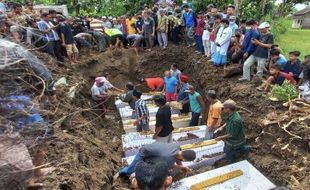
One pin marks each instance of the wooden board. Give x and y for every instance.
(216, 180)
(199, 144)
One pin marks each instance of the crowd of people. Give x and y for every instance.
(222, 37)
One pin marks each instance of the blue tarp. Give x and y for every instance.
(22, 103)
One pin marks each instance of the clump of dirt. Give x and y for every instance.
(283, 158)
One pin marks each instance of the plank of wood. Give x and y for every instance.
(198, 144)
(216, 180)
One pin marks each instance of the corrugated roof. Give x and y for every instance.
(302, 12)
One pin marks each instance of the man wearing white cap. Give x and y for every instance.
(100, 89)
(260, 54)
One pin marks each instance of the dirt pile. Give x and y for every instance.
(283, 158)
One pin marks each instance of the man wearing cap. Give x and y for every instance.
(235, 137)
(214, 114)
(261, 53)
(183, 95)
(142, 112)
(197, 106)
(101, 87)
(128, 98)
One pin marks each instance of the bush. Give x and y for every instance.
(279, 26)
(285, 92)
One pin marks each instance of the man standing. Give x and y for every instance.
(261, 53)
(170, 87)
(235, 138)
(222, 43)
(142, 113)
(197, 106)
(189, 18)
(175, 72)
(251, 33)
(183, 95)
(214, 114)
(148, 30)
(162, 29)
(68, 40)
(51, 37)
(163, 126)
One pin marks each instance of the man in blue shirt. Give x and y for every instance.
(277, 58)
(251, 33)
(170, 87)
(189, 18)
(293, 67)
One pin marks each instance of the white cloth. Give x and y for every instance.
(206, 35)
(305, 91)
(95, 90)
(223, 38)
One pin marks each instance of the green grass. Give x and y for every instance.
(295, 39)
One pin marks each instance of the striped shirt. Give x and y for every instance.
(96, 25)
(142, 110)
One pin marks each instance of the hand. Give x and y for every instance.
(187, 170)
(153, 34)
(218, 130)
(217, 44)
(291, 74)
(135, 123)
(218, 138)
(63, 44)
(246, 55)
(154, 137)
(255, 41)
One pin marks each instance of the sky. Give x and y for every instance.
(298, 6)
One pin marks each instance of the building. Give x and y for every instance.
(301, 19)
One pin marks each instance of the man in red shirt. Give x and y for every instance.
(156, 83)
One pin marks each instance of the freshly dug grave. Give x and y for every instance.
(86, 148)
(282, 157)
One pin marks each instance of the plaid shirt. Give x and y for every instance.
(142, 110)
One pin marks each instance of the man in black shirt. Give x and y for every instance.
(163, 126)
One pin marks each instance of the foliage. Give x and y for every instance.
(294, 39)
(285, 92)
(279, 26)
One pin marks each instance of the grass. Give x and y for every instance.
(295, 39)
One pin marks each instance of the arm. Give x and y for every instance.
(117, 89)
(157, 131)
(63, 39)
(202, 104)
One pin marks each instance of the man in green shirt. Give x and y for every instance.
(235, 138)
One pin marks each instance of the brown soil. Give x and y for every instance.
(86, 149)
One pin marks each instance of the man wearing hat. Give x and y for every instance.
(182, 95)
(100, 89)
(260, 54)
(214, 114)
(235, 138)
(142, 112)
(197, 106)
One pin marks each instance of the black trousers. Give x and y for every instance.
(54, 49)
